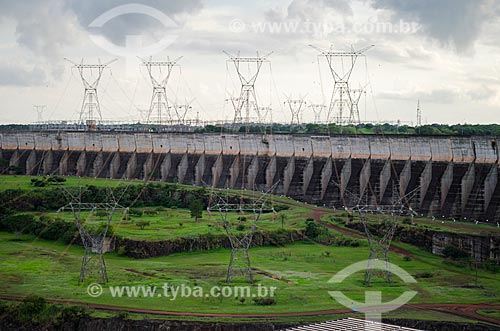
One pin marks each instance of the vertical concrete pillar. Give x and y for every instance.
(234, 171)
(199, 170)
(114, 165)
(217, 170)
(47, 160)
(308, 173)
(14, 159)
(252, 171)
(425, 181)
(467, 184)
(385, 177)
(81, 164)
(404, 178)
(98, 164)
(364, 177)
(270, 172)
(31, 163)
(490, 183)
(182, 168)
(288, 174)
(326, 175)
(345, 177)
(165, 167)
(147, 167)
(63, 164)
(446, 182)
(131, 166)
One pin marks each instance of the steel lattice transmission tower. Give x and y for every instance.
(91, 109)
(341, 99)
(93, 239)
(239, 262)
(296, 107)
(419, 115)
(381, 242)
(247, 102)
(159, 73)
(40, 109)
(354, 117)
(181, 110)
(317, 110)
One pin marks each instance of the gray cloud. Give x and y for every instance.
(118, 28)
(443, 95)
(452, 22)
(47, 27)
(11, 75)
(310, 9)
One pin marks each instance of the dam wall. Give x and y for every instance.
(437, 176)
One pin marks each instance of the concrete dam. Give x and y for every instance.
(440, 176)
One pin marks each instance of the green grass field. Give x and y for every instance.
(51, 269)
(299, 271)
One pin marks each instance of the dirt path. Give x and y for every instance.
(468, 310)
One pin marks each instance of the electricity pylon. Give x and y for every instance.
(90, 105)
(296, 107)
(159, 80)
(239, 262)
(181, 110)
(93, 236)
(247, 102)
(40, 109)
(317, 109)
(341, 99)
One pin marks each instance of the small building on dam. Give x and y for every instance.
(437, 176)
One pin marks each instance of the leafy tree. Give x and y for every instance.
(283, 218)
(196, 208)
(142, 224)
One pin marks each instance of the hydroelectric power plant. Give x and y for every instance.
(450, 177)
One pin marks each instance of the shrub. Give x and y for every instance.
(142, 224)
(279, 208)
(454, 253)
(122, 251)
(264, 301)
(240, 227)
(406, 221)
(313, 229)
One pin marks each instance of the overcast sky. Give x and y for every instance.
(444, 53)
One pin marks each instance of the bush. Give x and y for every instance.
(150, 212)
(122, 251)
(454, 253)
(142, 224)
(240, 227)
(264, 301)
(279, 208)
(73, 314)
(406, 221)
(314, 230)
(424, 275)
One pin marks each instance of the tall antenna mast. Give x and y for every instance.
(247, 102)
(342, 99)
(296, 106)
(40, 109)
(91, 110)
(159, 80)
(419, 114)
